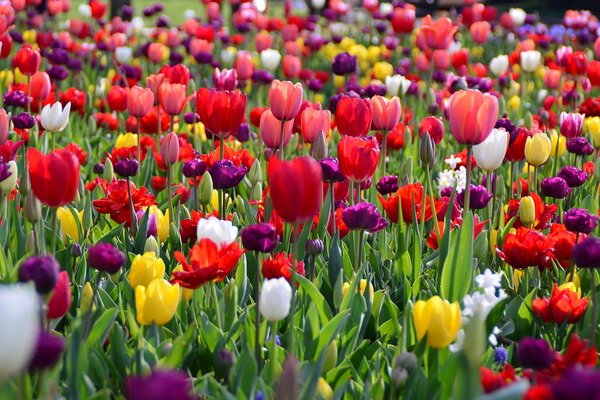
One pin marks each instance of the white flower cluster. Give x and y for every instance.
(489, 293)
(452, 177)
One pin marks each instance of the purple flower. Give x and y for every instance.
(577, 383)
(48, 350)
(500, 356)
(191, 118)
(262, 76)
(4, 170)
(98, 168)
(387, 184)
(586, 254)
(579, 220)
(580, 146)
(126, 12)
(330, 167)
(344, 64)
(535, 353)
(571, 124)
(58, 73)
(243, 133)
(42, 270)
(193, 168)
(260, 237)
(225, 174)
(160, 384)
(23, 121)
(16, 98)
(555, 187)
(105, 257)
(151, 226)
(479, 197)
(314, 247)
(573, 175)
(126, 168)
(363, 216)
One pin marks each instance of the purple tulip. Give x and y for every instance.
(387, 184)
(555, 187)
(42, 270)
(580, 146)
(23, 121)
(573, 175)
(160, 384)
(479, 197)
(126, 168)
(225, 174)
(535, 353)
(579, 220)
(105, 257)
(577, 383)
(260, 237)
(193, 168)
(586, 254)
(363, 216)
(344, 64)
(48, 350)
(330, 167)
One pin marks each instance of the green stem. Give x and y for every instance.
(53, 242)
(257, 311)
(281, 134)
(468, 181)
(216, 305)
(134, 224)
(170, 193)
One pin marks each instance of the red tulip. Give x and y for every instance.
(172, 97)
(437, 34)
(552, 78)
(295, 188)
(576, 63)
(358, 157)
(434, 126)
(40, 85)
(117, 98)
(472, 116)
(525, 248)
(291, 66)
(6, 45)
(285, 99)
(244, 66)
(153, 82)
(139, 101)
(406, 198)
(4, 123)
(403, 19)
(386, 113)
(54, 177)
(313, 122)
(270, 130)
(480, 31)
(353, 116)
(593, 72)
(563, 306)
(27, 60)
(221, 111)
(176, 74)
(60, 300)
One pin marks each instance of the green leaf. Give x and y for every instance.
(317, 298)
(181, 347)
(102, 326)
(458, 267)
(244, 375)
(331, 330)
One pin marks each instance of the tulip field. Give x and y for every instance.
(299, 200)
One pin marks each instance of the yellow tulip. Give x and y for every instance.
(363, 287)
(68, 225)
(493, 241)
(574, 281)
(126, 140)
(145, 268)
(537, 149)
(19, 77)
(517, 274)
(592, 125)
(339, 81)
(477, 52)
(514, 103)
(86, 298)
(373, 54)
(438, 319)
(557, 140)
(186, 294)
(570, 286)
(6, 77)
(324, 391)
(319, 98)
(156, 303)
(215, 200)
(527, 211)
(29, 36)
(348, 43)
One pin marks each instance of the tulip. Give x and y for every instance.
(105, 257)
(479, 197)
(145, 269)
(499, 65)
(123, 54)
(396, 85)
(363, 216)
(172, 97)
(244, 65)
(291, 66)
(535, 353)
(275, 299)
(527, 211)
(9, 181)
(479, 31)
(160, 384)
(225, 174)
(571, 124)
(157, 302)
(154, 82)
(387, 184)
(314, 122)
(437, 34)
(285, 99)
(169, 148)
(40, 85)
(580, 220)
(126, 168)
(221, 112)
(55, 118)
(68, 224)
(27, 60)
(295, 188)
(586, 254)
(472, 116)
(386, 113)
(438, 319)
(60, 187)
(221, 232)
(555, 187)
(225, 79)
(42, 270)
(19, 307)
(490, 153)
(537, 149)
(517, 16)
(558, 144)
(434, 126)
(139, 101)
(49, 348)
(344, 64)
(353, 116)
(117, 98)
(271, 133)
(358, 157)
(574, 176)
(4, 122)
(60, 300)
(552, 78)
(260, 237)
(270, 59)
(530, 60)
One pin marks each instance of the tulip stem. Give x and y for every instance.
(383, 151)
(139, 146)
(273, 355)
(594, 308)
(132, 209)
(333, 222)
(170, 193)
(216, 305)
(90, 312)
(53, 241)
(468, 181)
(257, 310)
(281, 140)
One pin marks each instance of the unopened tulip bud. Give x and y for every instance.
(319, 147)
(406, 167)
(30, 242)
(597, 170)
(76, 250)
(174, 237)
(255, 173)
(169, 149)
(152, 246)
(9, 183)
(331, 356)
(86, 298)
(407, 360)
(427, 151)
(109, 172)
(256, 192)
(314, 247)
(399, 377)
(33, 208)
(527, 211)
(205, 190)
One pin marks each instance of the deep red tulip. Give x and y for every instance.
(593, 72)
(295, 188)
(353, 116)
(472, 116)
(54, 177)
(27, 60)
(117, 98)
(403, 19)
(221, 111)
(358, 157)
(60, 300)
(434, 126)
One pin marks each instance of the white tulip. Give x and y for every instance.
(19, 330)
(396, 84)
(101, 87)
(386, 8)
(499, 65)
(517, 15)
(9, 184)
(270, 59)
(228, 56)
(220, 232)
(55, 118)
(138, 24)
(530, 60)
(123, 54)
(275, 299)
(85, 10)
(189, 14)
(490, 153)
(318, 4)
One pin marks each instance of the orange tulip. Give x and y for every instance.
(139, 101)
(472, 116)
(285, 99)
(172, 97)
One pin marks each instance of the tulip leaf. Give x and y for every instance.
(141, 235)
(316, 297)
(181, 347)
(458, 266)
(335, 261)
(331, 330)
(243, 375)
(102, 325)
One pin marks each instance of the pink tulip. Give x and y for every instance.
(441, 59)
(139, 101)
(263, 41)
(313, 122)
(153, 82)
(597, 48)
(480, 31)
(156, 52)
(40, 85)
(169, 149)
(472, 116)
(386, 113)
(552, 78)
(437, 34)
(244, 66)
(285, 99)
(172, 97)
(3, 127)
(422, 62)
(225, 79)
(291, 66)
(270, 130)
(289, 32)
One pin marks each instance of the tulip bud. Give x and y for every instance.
(76, 250)
(152, 246)
(256, 192)
(9, 184)
(597, 170)
(205, 190)
(407, 360)
(30, 243)
(86, 298)
(314, 247)
(406, 167)
(319, 147)
(527, 211)
(537, 149)
(399, 377)
(331, 356)
(169, 149)
(33, 208)
(109, 171)
(500, 186)
(24, 184)
(427, 151)
(174, 237)
(255, 173)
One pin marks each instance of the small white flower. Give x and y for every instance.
(55, 118)
(453, 161)
(275, 299)
(489, 280)
(270, 59)
(221, 232)
(123, 54)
